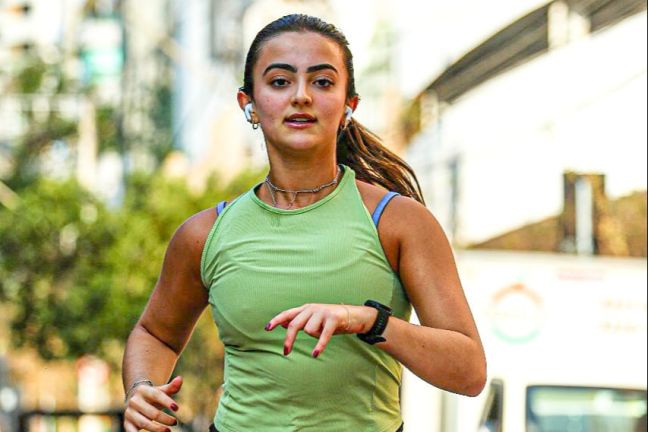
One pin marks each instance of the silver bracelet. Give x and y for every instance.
(134, 385)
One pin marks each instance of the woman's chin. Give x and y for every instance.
(302, 144)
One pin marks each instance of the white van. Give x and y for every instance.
(565, 340)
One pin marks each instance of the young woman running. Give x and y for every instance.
(310, 275)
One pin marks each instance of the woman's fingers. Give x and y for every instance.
(284, 317)
(325, 337)
(152, 413)
(321, 321)
(172, 388)
(143, 410)
(314, 325)
(141, 422)
(294, 326)
(130, 427)
(155, 396)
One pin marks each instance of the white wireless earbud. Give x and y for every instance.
(248, 112)
(348, 112)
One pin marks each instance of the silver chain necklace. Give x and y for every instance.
(295, 192)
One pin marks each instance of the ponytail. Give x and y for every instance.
(363, 151)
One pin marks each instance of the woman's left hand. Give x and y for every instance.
(322, 321)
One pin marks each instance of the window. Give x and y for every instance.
(585, 409)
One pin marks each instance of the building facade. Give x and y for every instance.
(562, 88)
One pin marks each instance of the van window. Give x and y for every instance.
(491, 420)
(586, 409)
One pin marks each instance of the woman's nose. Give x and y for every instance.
(301, 95)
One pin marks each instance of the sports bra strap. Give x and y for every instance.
(219, 208)
(381, 206)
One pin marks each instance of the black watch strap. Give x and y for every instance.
(374, 335)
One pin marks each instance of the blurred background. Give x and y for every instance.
(525, 121)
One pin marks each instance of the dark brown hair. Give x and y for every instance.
(357, 146)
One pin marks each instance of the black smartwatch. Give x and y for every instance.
(374, 335)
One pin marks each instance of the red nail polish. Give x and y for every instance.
(286, 351)
(168, 429)
(174, 407)
(316, 353)
(267, 327)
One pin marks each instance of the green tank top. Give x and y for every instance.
(258, 261)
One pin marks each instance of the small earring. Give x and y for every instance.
(248, 110)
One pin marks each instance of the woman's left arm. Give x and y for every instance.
(445, 350)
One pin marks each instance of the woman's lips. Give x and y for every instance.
(300, 120)
(299, 124)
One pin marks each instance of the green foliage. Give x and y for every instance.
(34, 144)
(30, 77)
(43, 87)
(36, 79)
(51, 246)
(76, 276)
(107, 129)
(162, 118)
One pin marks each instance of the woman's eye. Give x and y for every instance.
(279, 82)
(324, 82)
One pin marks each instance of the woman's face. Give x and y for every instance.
(300, 83)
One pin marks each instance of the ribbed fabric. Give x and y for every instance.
(258, 261)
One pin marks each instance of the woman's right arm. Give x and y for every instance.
(164, 328)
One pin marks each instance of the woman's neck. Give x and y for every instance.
(305, 177)
(299, 175)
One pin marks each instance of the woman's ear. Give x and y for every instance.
(245, 102)
(349, 109)
(353, 102)
(243, 99)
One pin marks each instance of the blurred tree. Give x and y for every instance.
(162, 140)
(29, 79)
(39, 86)
(34, 145)
(47, 95)
(107, 129)
(51, 246)
(77, 276)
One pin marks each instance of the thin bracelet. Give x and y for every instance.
(348, 317)
(134, 385)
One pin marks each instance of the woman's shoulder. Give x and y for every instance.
(193, 232)
(392, 227)
(372, 194)
(402, 217)
(182, 258)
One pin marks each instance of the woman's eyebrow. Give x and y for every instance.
(285, 66)
(320, 67)
(293, 69)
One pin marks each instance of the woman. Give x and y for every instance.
(303, 251)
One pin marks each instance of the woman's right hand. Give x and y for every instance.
(144, 407)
